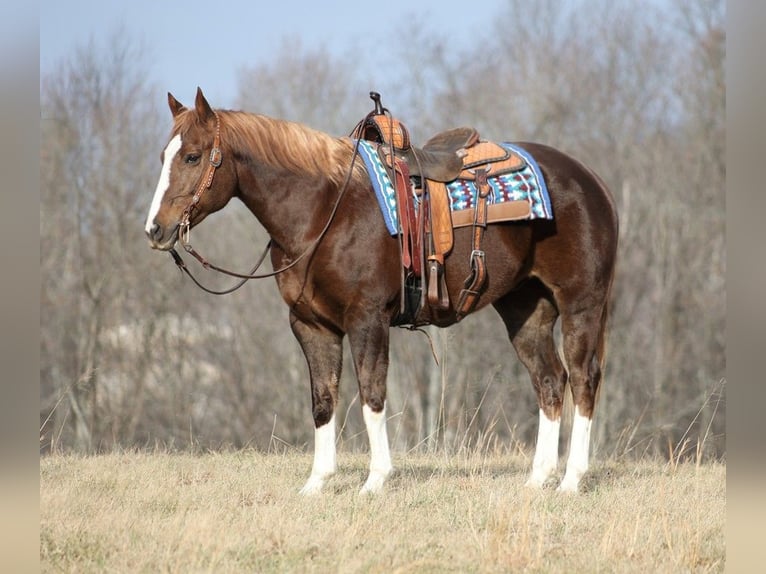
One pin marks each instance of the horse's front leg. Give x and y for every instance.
(324, 353)
(369, 347)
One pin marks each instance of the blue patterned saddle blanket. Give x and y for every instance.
(525, 185)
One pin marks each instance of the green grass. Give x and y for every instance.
(240, 512)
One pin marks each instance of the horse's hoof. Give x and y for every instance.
(313, 486)
(374, 484)
(568, 487)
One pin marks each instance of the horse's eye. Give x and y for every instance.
(191, 158)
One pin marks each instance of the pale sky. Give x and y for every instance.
(206, 43)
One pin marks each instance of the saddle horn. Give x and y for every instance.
(379, 109)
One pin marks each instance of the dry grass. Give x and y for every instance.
(240, 512)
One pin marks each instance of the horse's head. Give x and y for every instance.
(196, 179)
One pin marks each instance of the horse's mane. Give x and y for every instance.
(289, 145)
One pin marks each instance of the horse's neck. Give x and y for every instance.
(287, 175)
(290, 206)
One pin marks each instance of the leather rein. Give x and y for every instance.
(215, 159)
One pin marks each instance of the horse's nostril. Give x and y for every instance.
(155, 232)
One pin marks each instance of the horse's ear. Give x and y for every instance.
(204, 110)
(176, 107)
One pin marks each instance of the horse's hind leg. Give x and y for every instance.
(584, 332)
(324, 354)
(529, 316)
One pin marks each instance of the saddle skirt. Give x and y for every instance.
(518, 189)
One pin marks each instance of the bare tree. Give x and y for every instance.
(98, 124)
(311, 86)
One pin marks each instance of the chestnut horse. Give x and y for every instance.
(343, 269)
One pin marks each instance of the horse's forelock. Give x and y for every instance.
(185, 121)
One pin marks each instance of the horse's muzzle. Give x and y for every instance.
(160, 239)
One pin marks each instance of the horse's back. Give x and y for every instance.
(574, 187)
(581, 240)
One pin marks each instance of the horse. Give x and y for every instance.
(338, 269)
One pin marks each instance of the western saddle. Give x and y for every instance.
(427, 232)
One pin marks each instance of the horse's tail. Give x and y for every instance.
(601, 346)
(604, 324)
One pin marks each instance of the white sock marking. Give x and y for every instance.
(162, 185)
(546, 450)
(380, 455)
(579, 447)
(324, 458)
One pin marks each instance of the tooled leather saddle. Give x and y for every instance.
(426, 218)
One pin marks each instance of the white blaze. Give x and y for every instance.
(162, 186)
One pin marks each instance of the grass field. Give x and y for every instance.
(240, 512)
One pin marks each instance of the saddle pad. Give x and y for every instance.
(526, 184)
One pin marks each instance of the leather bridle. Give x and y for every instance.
(184, 227)
(214, 161)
